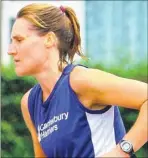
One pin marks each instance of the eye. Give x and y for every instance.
(18, 40)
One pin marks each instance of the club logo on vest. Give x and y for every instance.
(49, 127)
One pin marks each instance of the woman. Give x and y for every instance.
(70, 113)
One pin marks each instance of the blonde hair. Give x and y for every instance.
(63, 23)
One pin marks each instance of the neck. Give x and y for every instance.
(48, 77)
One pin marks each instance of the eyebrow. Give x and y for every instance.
(17, 36)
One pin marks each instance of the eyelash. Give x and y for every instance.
(19, 40)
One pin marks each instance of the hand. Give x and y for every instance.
(116, 152)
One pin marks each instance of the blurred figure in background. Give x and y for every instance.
(72, 104)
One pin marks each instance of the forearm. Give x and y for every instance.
(138, 134)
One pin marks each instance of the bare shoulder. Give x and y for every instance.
(107, 89)
(84, 81)
(82, 78)
(24, 100)
(77, 77)
(25, 111)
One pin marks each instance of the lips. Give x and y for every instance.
(16, 60)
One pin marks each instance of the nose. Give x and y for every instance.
(12, 49)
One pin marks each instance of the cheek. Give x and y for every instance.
(33, 51)
(28, 66)
(32, 57)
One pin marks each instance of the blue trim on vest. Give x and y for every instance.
(118, 125)
(68, 69)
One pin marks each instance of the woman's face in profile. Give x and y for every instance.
(27, 48)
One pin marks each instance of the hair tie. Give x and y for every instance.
(62, 9)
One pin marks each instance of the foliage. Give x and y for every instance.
(15, 137)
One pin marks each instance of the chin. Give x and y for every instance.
(20, 73)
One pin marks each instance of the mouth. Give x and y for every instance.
(16, 61)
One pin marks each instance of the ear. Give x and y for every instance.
(50, 39)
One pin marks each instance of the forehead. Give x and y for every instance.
(22, 27)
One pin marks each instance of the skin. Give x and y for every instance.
(38, 57)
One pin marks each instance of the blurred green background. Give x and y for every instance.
(115, 41)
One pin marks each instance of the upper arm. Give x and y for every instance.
(25, 112)
(105, 88)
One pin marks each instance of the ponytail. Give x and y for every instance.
(75, 44)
